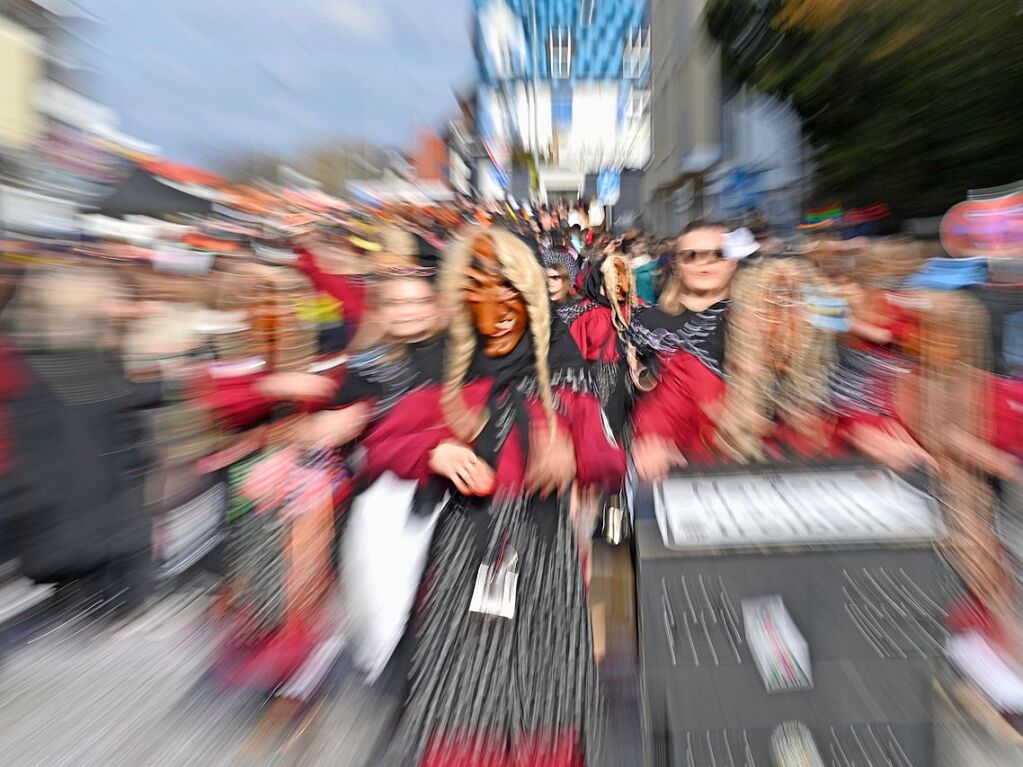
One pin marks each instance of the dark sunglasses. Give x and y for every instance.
(689, 256)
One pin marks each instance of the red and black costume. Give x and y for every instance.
(603, 346)
(691, 376)
(524, 690)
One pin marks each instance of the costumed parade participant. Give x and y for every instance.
(600, 325)
(764, 399)
(503, 666)
(690, 311)
(386, 532)
(559, 289)
(406, 351)
(948, 405)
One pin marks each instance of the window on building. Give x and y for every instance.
(560, 50)
(624, 96)
(587, 12)
(637, 53)
(635, 111)
(503, 62)
(561, 107)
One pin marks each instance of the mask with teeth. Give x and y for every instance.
(498, 310)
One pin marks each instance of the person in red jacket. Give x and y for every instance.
(968, 423)
(501, 675)
(349, 289)
(600, 325)
(686, 332)
(767, 399)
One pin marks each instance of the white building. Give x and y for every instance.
(563, 86)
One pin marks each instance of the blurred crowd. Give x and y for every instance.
(351, 415)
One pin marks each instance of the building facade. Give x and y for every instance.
(563, 90)
(717, 151)
(54, 137)
(430, 157)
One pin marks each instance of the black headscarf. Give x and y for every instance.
(386, 375)
(514, 377)
(593, 284)
(702, 334)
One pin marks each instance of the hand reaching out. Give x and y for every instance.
(468, 472)
(890, 445)
(551, 461)
(297, 387)
(332, 428)
(655, 457)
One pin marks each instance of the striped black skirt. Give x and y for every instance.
(486, 689)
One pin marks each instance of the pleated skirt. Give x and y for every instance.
(488, 690)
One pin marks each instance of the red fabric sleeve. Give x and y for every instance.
(578, 332)
(1008, 415)
(406, 455)
(403, 440)
(847, 422)
(594, 334)
(599, 459)
(671, 411)
(237, 401)
(345, 290)
(13, 379)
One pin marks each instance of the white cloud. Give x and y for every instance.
(358, 18)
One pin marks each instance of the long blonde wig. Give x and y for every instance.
(951, 392)
(789, 376)
(523, 271)
(673, 294)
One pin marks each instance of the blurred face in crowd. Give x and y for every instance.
(409, 309)
(700, 260)
(557, 284)
(497, 308)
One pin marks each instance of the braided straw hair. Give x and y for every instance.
(778, 361)
(952, 392)
(523, 272)
(610, 281)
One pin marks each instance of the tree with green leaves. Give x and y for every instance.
(907, 102)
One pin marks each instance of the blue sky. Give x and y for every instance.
(203, 78)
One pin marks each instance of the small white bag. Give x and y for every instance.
(382, 559)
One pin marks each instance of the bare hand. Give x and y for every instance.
(584, 506)
(984, 455)
(297, 386)
(468, 472)
(332, 428)
(655, 457)
(890, 445)
(551, 461)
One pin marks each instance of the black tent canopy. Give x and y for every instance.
(143, 194)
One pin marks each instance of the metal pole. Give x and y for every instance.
(536, 127)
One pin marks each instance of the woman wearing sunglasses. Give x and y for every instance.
(681, 341)
(769, 396)
(690, 312)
